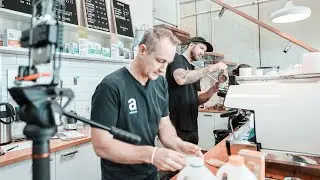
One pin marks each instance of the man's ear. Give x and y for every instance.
(142, 49)
(191, 45)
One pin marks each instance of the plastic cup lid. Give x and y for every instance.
(195, 161)
(236, 160)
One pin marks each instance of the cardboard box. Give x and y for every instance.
(12, 38)
(1, 37)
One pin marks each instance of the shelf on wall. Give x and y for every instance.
(15, 15)
(99, 33)
(25, 51)
(183, 36)
(13, 50)
(125, 38)
(220, 58)
(26, 18)
(214, 54)
(230, 63)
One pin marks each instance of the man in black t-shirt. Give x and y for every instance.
(184, 84)
(135, 99)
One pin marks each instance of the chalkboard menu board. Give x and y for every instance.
(123, 18)
(70, 12)
(96, 15)
(25, 6)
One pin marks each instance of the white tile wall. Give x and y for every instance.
(88, 74)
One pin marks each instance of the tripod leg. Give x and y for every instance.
(40, 150)
(40, 161)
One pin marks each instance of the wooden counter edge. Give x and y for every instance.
(71, 144)
(16, 160)
(272, 169)
(25, 154)
(210, 111)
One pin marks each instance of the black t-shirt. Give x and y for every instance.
(121, 101)
(183, 99)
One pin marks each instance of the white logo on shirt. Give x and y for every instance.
(132, 106)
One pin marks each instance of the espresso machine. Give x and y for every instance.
(284, 120)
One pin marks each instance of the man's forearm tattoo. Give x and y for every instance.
(192, 76)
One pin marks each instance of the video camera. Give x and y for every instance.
(38, 106)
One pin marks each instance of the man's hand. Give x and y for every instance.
(168, 160)
(204, 97)
(218, 66)
(214, 88)
(190, 149)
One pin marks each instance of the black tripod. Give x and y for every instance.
(40, 150)
(43, 114)
(38, 106)
(41, 147)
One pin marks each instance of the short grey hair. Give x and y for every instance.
(154, 35)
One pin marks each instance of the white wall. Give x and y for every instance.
(238, 38)
(166, 12)
(188, 24)
(142, 12)
(203, 21)
(306, 31)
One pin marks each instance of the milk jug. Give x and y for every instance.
(235, 169)
(195, 170)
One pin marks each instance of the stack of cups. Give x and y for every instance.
(259, 72)
(247, 71)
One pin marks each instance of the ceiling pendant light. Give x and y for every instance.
(290, 13)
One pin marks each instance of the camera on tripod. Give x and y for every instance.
(43, 39)
(38, 107)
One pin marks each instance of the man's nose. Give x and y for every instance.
(163, 67)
